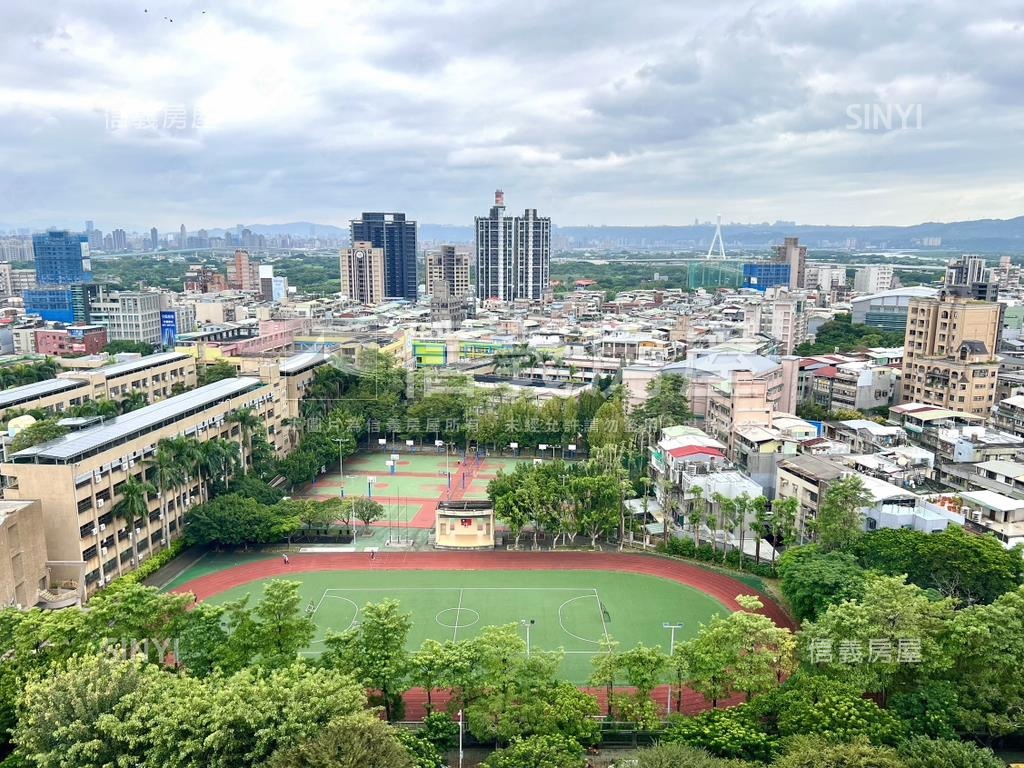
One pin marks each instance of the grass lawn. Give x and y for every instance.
(571, 609)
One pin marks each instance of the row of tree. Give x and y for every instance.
(230, 692)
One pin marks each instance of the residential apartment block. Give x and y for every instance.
(949, 353)
(362, 273)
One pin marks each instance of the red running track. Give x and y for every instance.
(719, 586)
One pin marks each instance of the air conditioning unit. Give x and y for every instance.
(138, 531)
(103, 550)
(103, 526)
(160, 516)
(132, 561)
(100, 503)
(191, 499)
(131, 462)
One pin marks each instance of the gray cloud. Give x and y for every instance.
(601, 112)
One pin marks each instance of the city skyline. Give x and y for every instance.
(851, 113)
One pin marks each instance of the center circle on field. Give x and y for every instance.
(443, 618)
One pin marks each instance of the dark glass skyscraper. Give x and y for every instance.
(397, 237)
(62, 261)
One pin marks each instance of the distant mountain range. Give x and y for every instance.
(982, 235)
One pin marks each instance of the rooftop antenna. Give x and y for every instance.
(717, 239)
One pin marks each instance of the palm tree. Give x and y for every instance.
(248, 421)
(218, 460)
(134, 504)
(761, 518)
(742, 506)
(187, 453)
(167, 473)
(725, 507)
(696, 516)
(133, 401)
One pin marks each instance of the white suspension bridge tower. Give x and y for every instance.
(717, 239)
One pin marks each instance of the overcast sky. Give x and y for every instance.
(593, 111)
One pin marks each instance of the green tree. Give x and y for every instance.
(122, 346)
(237, 720)
(209, 373)
(893, 638)
(428, 668)
(667, 402)
(784, 521)
(813, 705)
(744, 652)
(374, 651)
(354, 741)
(726, 733)
(762, 518)
(32, 642)
(133, 401)
(248, 423)
(41, 432)
(56, 730)
(510, 506)
(813, 580)
(166, 473)
(134, 506)
(366, 511)
(235, 521)
(254, 488)
(840, 522)
(539, 752)
(610, 425)
(642, 666)
(605, 670)
(985, 648)
(299, 467)
(965, 566)
(280, 628)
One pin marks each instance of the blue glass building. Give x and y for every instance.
(397, 237)
(62, 262)
(764, 275)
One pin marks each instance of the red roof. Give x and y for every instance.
(692, 450)
(827, 372)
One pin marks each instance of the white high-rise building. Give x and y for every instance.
(873, 279)
(788, 318)
(824, 276)
(513, 254)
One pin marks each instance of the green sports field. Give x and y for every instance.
(412, 488)
(571, 610)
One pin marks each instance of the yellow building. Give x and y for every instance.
(949, 355)
(23, 571)
(464, 525)
(362, 273)
(78, 478)
(156, 376)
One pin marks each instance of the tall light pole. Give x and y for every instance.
(341, 458)
(527, 623)
(671, 647)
